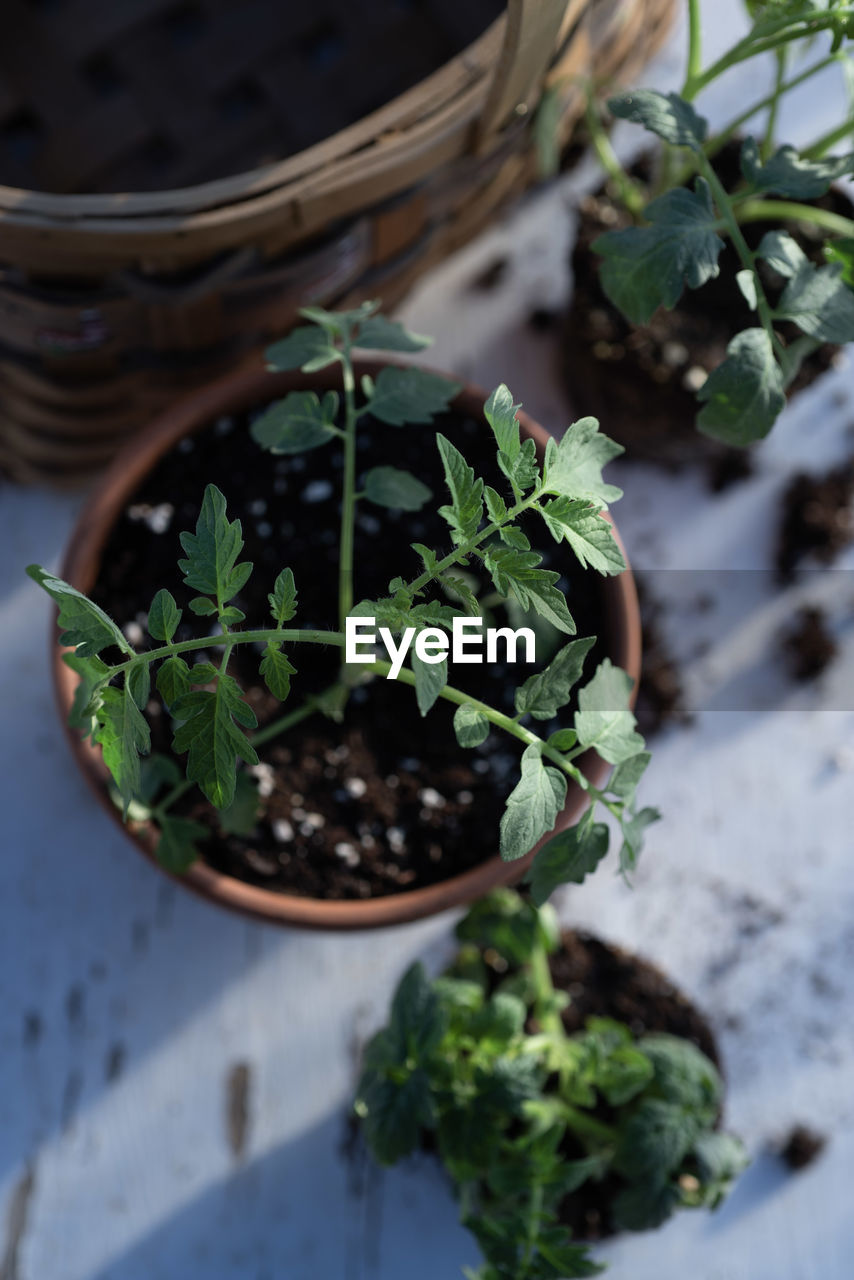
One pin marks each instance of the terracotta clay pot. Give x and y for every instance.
(236, 394)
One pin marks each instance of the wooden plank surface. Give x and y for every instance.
(175, 1082)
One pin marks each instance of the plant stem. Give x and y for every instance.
(767, 145)
(584, 1126)
(822, 144)
(753, 209)
(544, 1011)
(231, 638)
(348, 502)
(695, 50)
(631, 193)
(771, 36)
(459, 553)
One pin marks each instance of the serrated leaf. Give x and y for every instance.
(276, 671)
(394, 1113)
(177, 849)
(667, 115)
(93, 676)
(299, 422)
(402, 396)
(786, 173)
(542, 695)
(496, 508)
(211, 565)
(532, 806)
(430, 680)
(392, 487)
(743, 397)
(633, 829)
(782, 253)
(534, 588)
(241, 817)
(500, 413)
(86, 628)
(523, 470)
(283, 598)
(573, 465)
(603, 719)
(567, 859)
(417, 1022)
(625, 778)
(427, 556)
(645, 268)
(138, 682)
(173, 680)
(466, 510)
(163, 617)
(513, 537)
(498, 1021)
(210, 734)
(820, 303)
(377, 333)
(305, 345)
(123, 735)
(470, 725)
(587, 531)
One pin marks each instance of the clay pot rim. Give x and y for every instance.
(234, 394)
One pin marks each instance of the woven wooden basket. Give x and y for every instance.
(112, 304)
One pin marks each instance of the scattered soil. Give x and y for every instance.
(543, 320)
(491, 276)
(802, 1147)
(386, 800)
(808, 647)
(817, 518)
(641, 382)
(660, 699)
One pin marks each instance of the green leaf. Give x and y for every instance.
(567, 859)
(534, 588)
(176, 849)
(782, 253)
(563, 739)
(587, 531)
(340, 324)
(430, 680)
(211, 565)
(470, 725)
(746, 281)
(642, 1206)
(500, 1020)
(625, 778)
(138, 682)
(603, 719)
(211, 736)
(523, 471)
(123, 736)
(466, 509)
(667, 115)
(820, 303)
(500, 413)
(276, 671)
(532, 806)
(163, 617)
(86, 628)
(241, 816)
(299, 422)
(720, 1159)
(744, 395)
(400, 490)
(654, 1140)
(173, 680)
(633, 829)
(403, 396)
(496, 508)
(648, 267)
(504, 922)
(542, 695)
(93, 676)
(573, 466)
(394, 1113)
(788, 174)
(623, 1074)
(684, 1074)
(303, 346)
(283, 599)
(842, 251)
(417, 1022)
(379, 334)
(203, 607)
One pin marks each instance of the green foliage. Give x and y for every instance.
(211, 565)
(544, 694)
(405, 396)
(532, 806)
(465, 511)
(392, 487)
(743, 397)
(297, 423)
(665, 114)
(85, 627)
(283, 598)
(567, 858)
(787, 173)
(209, 732)
(481, 1070)
(163, 616)
(123, 735)
(590, 535)
(603, 719)
(308, 348)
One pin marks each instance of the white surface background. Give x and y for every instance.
(125, 1003)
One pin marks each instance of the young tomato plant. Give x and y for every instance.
(477, 1066)
(681, 222)
(213, 724)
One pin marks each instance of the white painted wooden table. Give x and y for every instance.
(126, 1005)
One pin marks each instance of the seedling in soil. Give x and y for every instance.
(477, 1066)
(213, 724)
(683, 217)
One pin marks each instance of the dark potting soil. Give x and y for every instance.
(808, 646)
(661, 697)
(606, 982)
(385, 801)
(817, 519)
(641, 382)
(802, 1146)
